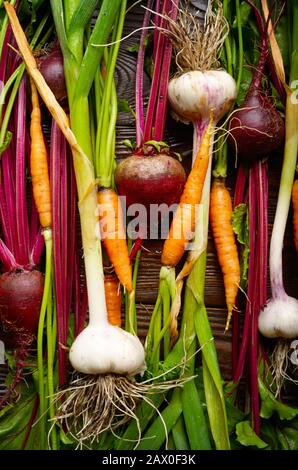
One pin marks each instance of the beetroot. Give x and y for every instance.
(20, 300)
(149, 180)
(52, 68)
(256, 127)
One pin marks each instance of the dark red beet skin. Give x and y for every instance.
(20, 301)
(257, 127)
(52, 68)
(146, 180)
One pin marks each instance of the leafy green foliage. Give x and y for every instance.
(135, 47)
(244, 85)
(14, 421)
(7, 140)
(245, 10)
(124, 106)
(247, 437)
(270, 405)
(241, 229)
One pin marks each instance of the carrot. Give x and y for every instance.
(225, 243)
(113, 235)
(295, 210)
(183, 224)
(39, 164)
(113, 299)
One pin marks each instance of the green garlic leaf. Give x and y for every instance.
(247, 437)
(124, 107)
(15, 418)
(6, 142)
(270, 405)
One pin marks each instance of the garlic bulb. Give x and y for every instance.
(280, 318)
(193, 94)
(107, 349)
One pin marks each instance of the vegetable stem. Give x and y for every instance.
(284, 197)
(40, 349)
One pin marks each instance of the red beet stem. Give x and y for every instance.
(4, 218)
(155, 82)
(161, 108)
(157, 105)
(251, 278)
(263, 33)
(256, 82)
(37, 249)
(7, 258)
(261, 185)
(156, 21)
(4, 55)
(72, 223)
(139, 78)
(135, 248)
(8, 182)
(64, 231)
(21, 199)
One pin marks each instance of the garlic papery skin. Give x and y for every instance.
(107, 349)
(279, 318)
(193, 94)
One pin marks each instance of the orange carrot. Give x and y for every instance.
(39, 164)
(113, 235)
(295, 210)
(113, 299)
(221, 224)
(183, 224)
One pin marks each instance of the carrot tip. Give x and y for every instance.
(230, 312)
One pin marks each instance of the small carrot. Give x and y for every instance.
(39, 164)
(113, 299)
(183, 224)
(113, 235)
(221, 224)
(295, 212)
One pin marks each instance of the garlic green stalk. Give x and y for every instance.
(102, 348)
(279, 318)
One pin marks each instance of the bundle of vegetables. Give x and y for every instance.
(278, 318)
(105, 357)
(158, 396)
(202, 105)
(22, 282)
(256, 128)
(152, 176)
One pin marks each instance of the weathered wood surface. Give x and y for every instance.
(180, 137)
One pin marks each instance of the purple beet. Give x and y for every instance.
(20, 301)
(147, 180)
(256, 128)
(52, 68)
